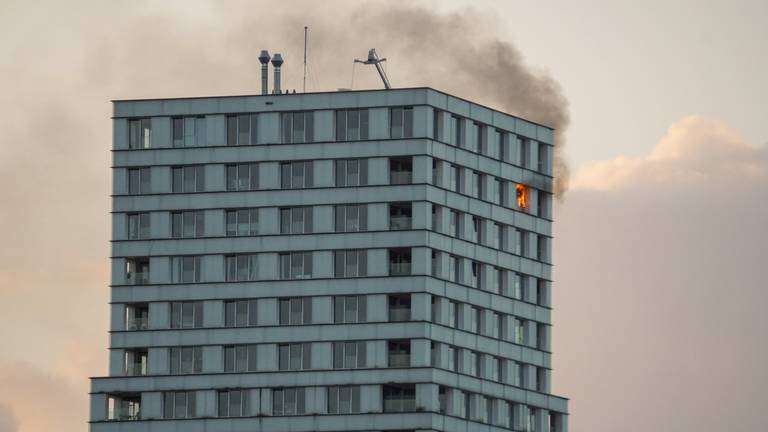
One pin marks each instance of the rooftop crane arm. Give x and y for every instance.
(374, 59)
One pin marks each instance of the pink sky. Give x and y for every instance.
(660, 243)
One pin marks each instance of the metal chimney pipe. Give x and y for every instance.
(264, 59)
(277, 61)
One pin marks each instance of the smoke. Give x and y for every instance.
(457, 53)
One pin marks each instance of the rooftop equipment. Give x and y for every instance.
(374, 59)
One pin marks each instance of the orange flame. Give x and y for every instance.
(521, 192)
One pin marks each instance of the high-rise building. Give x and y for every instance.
(342, 261)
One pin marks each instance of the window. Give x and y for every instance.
(178, 405)
(455, 224)
(542, 164)
(542, 291)
(457, 179)
(350, 263)
(233, 403)
(349, 355)
(352, 172)
(477, 322)
(296, 356)
(442, 396)
(124, 407)
(476, 229)
(137, 271)
(477, 185)
(288, 401)
(437, 172)
(137, 316)
(520, 283)
(457, 131)
(240, 313)
(473, 363)
(399, 262)
(135, 362)
(139, 133)
(349, 309)
(296, 265)
(501, 326)
(477, 275)
(351, 218)
(295, 220)
(543, 204)
(541, 248)
(187, 224)
(139, 181)
(499, 242)
(519, 329)
(242, 267)
(185, 269)
(242, 222)
(454, 268)
(455, 314)
(186, 360)
(497, 369)
(189, 131)
(186, 314)
(437, 125)
(499, 280)
(400, 170)
(522, 196)
(138, 226)
(240, 358)
(521, 242)
(242, 177)
(295, 311)
(188, 179)
(399, 353)
(506, 153)
(296, 175)
(400, 307)
(298, 127)
(522, 151)
(343, 399)
(401, 122)
(498, 187)
(242, 129)
(399, 398)
(478, 132)
(400, 216)
(352, 125)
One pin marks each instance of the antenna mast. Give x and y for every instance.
(306, 29)
(374, 59)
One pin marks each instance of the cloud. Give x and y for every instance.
(660, 286)
(8, 421)
(694, 150)
(33, 400)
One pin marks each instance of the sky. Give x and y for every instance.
(660, 237)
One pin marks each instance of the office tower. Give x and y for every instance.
(343, 261)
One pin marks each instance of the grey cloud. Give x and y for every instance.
(8, 421)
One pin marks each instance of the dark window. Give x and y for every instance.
(139, 181)
(242, 177)
(352, 125)
(188, 179)
(187, 224)
(139, 133)
(240, 313)
(401, 122)
(242, 129)
(242, 222)
(296, 175)
(298, 127)
(352, 172)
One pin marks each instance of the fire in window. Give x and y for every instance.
(521, 192)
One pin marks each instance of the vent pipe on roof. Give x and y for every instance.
(277, 61)
(264, 59)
